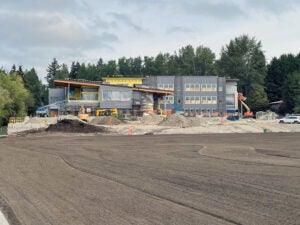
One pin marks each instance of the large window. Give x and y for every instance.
(116, 95)
(209, 100)
(209, 87)
(169, 87)
(192, 87)
(192, 100)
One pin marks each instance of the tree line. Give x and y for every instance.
(242, 58)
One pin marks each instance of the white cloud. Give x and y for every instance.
(33, 32)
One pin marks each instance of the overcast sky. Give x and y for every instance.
(33, 32)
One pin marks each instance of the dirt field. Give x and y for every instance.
(59, 178)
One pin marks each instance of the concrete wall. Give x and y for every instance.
(57, 94)
(115, 97)
(231, 94)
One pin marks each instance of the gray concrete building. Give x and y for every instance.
(197, 94)
(192, 94)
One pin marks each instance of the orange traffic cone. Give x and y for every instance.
(129, 130)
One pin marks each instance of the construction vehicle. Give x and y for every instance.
(242, 99)
(82, 115)
(44, 111)
(107, 112)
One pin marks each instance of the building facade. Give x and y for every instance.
(192, 94)
(197, 94)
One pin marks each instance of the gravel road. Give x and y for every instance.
(151, 179)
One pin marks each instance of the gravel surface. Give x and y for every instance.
(151, 179)
(105, 120)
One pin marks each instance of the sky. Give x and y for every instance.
(33, 32)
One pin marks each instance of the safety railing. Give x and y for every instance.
(16, 119)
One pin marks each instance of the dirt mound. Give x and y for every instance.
(152, 119)
(106, 120)
(180, 121)
(74, 126)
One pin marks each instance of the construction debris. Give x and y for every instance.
(176, 120)
(152, 119)
(105, 120)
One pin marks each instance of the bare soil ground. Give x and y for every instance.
(57, 178)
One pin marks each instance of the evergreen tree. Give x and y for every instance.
(149, 67)
(99, 69)
(160, 65)
(204, 61)
(73, 71)
(13, 69)
(124, 66)
(291, 92)
(62, 73)
(187, 60)
(35, 86)
(136, 66)
(20, 72)
(277, 73)
(52, 71)
(110, 68)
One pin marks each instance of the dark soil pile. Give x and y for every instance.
(106, 120)
(74, 126)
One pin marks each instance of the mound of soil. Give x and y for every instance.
(152, 119)
(175, 120)
(74, 126)
(106, 120)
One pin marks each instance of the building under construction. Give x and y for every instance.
(135, 96)
(71, 95)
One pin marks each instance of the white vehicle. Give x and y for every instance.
(290, 119)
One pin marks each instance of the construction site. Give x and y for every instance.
(116, 154)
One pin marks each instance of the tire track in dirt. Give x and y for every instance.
(260, 188)
(152, 194)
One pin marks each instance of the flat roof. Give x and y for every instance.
(124, 78)
(152, 90)
(77, 83)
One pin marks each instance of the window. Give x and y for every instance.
(208, 99)
(116, 95)
(187, 100)
(203, 87)
(214, 87)
(192, 87)
(208, 87)
(166, 86)
(169, 99)
(197, 87)
(204, 100)
(192, 99)
(214, 100)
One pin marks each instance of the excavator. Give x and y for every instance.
(107, 112)
(242, 99)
